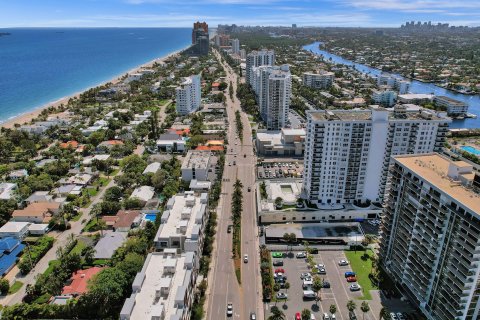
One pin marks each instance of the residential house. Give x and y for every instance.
(16, 230)
(7, 190)
(78, 283)
(39, 196)
(38, 212)
(111, 241)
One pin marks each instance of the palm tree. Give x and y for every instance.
(287, 286)
(351, 305)
(365, 308)
(277, 314)
(276, 288)
(306, 314)
(88, 253)
(333, 309)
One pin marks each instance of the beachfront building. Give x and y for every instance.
(286, 142)
(182, 222)
(272, 86)
(347, 152)
(188, 95)
(416, 98)
(430, 235)
(385, 98)
(256, 59)
(164, 288)
(196, 165)
(322, 80)
(454, 107)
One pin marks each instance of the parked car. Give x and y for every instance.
(277, 255)
(297, 316)
(326, 316)
(279, 270)
(343, 263)
(305, 275)
(277, 263)
(229, 309)
(308, 294)
(313, 250)
(351, 279)
(355, 287)
(281, 295)
(301, 255)
(349, 274)
(326, 284)
(393, 316)
(400, 316)
(321, 271)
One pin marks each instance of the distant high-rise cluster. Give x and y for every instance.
(429, 26)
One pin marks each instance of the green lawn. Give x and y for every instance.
(102, 181)
(15, 287)
(51, 265)
(92, 191)
(362, 268)
(78, 247)
(91, 225)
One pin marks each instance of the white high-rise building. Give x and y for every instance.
(347, 152)
(256, 59)
(188, 95)
(235, 46)
(273, 86)
(430, 235)
(322, 80)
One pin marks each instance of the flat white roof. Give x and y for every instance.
(143, 193)
(152, 167)
(181, 213)
(13, 226)
(196, 159)
(162, 277)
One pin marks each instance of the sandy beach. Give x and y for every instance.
(27, 117)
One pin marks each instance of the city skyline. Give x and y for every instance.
(164, 13)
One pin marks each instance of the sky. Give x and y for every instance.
(181, 13)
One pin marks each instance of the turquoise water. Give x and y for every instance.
(473, 101)
(470, 149)
(150, 217)
(41, 65)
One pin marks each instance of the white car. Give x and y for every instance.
(229, 309)
(355, 287)
(301, 255)
(245, 258)
(320, 266)
(343, 263)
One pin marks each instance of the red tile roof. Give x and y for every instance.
(180, 132)
(79, 281)
(65, 145)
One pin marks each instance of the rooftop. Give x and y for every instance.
(37, 209)
(143, 193)
(13, 226)
(437, 170)
(196, 159)
(366, 115)
(152, 167)
(160, 288)
(79, 281)
(110, 242)
(182, 213)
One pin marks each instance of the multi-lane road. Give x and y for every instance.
(240, 164)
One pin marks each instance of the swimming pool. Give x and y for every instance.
(150, 217)
(471, 150)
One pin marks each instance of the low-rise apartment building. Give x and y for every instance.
(454, 107)
(430, 235)
(182, 222)
(286, 142)
(322, 80)
(196, 165)
(164, 288)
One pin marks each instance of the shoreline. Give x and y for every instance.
(36, 111)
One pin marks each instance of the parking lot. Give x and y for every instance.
(280, 169)
(338, 294)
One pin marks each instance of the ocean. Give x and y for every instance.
(42, 65)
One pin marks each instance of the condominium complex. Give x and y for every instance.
(394, 82)
(256, 59)
(322, 80)
(430, 236)
(235, 46)
(385, 98)
(347, 153)
(286, 142)
(272, 86)
(188, 95)
(454, 107)
(164, 288)
(182, 223)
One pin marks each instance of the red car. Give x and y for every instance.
(351, 279)
(297, 316)
(279, 270)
